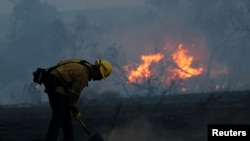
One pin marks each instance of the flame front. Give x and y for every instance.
(143, 70)
(184, 62)
(183, 67)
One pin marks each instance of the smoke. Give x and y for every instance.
(204, 28)
(136, 130)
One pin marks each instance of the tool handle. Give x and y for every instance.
(85, 128)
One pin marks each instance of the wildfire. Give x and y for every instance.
(143, 70)
(179, 65)
(184, 62)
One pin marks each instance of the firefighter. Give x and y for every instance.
(63, 84)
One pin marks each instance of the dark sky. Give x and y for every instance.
(65, 5)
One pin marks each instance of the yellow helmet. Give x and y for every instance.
(105, 67)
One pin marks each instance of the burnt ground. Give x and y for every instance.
(162, 118)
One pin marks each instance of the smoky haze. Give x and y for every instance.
(37, 33)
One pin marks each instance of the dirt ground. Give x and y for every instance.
(163, 118)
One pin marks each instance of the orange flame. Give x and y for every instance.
(143, 70)
(180, 57)
(184, 62)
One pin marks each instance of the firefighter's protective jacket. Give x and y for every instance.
(75, 75)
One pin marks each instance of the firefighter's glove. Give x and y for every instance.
(76, 113)
(77, 116)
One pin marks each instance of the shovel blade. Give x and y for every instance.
(96, 137)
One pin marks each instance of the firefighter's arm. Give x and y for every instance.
(74, 97)
(75, 91)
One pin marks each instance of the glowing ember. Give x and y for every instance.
(184, 62)
(143, 70)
